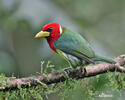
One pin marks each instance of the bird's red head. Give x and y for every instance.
(51, 32)
(54, 28)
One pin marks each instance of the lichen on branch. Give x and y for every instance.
(56, 77)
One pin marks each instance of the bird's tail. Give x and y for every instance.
(104, 59)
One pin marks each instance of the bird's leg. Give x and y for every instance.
(66, 72)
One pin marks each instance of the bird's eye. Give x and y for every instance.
(49, 30)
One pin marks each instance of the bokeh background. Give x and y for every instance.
(101, 22)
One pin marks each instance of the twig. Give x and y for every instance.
(56, 77)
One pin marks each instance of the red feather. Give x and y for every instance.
(54, 34)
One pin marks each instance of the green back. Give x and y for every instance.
(73, 43)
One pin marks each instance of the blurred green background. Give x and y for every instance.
(101, 22)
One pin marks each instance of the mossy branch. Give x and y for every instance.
(56, 77)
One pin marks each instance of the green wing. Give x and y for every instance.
(74, 44)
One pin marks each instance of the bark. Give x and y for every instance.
(56, 77)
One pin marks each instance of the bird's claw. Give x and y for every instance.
(66, 72)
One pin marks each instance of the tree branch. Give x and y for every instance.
(56, 77)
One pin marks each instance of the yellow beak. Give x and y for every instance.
(42, 34)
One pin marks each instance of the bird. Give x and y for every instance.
(73, 47)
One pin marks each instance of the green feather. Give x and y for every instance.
(74, 44)
(104, 59)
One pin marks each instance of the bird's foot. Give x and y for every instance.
(66, 72)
